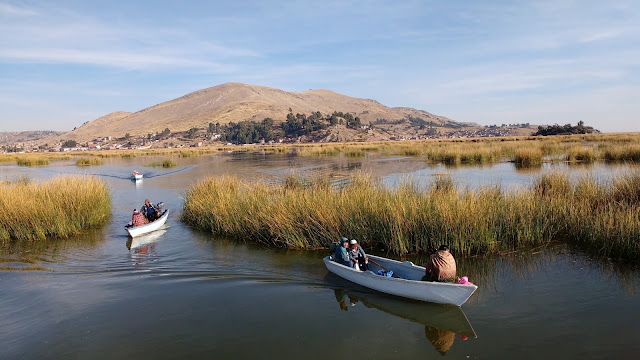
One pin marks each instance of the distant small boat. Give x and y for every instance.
(147, 228)
(136, 176)
(407, 285)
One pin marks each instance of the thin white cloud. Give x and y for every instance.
(118, 59)
(13, 10)
(66, 37)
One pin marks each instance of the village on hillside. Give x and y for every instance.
(199, 137)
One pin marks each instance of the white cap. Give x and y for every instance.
(353, 241)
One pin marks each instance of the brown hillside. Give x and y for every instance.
(237, 102)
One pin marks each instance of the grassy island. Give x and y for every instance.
(58, 208)
(89, 161)
(599, 216)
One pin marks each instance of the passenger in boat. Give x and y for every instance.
(441, 266)
(357, 255)
(149, 211)
(342, 253)
(138, 219)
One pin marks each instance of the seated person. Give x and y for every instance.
(357, 255)
(137, 219)
(441, 266)
(149, 211)
(342, 255)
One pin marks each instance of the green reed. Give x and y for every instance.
(602, 217)
(58, 208)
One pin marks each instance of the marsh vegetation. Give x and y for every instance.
(58, 208)
(598, 216)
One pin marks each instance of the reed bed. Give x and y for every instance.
(58, 208)
(528, 157)
(573, 148)
(601, 217)
(89, 161)
(38, 159)
(166, 163)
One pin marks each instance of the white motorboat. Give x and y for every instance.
(147, 228)
(136, 176)
(407, 283)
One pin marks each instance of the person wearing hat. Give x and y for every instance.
(342, 255)
(138, 219)
(441, 266)
(357, 255)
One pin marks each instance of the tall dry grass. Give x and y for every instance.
(602, 217)
(89, 161)
(57, 208)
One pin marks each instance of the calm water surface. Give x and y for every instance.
(183, 293)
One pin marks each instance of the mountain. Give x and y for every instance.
(234, 102)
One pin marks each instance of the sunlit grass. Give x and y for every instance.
(166, 163)
(57, 208)
(602, 217)
(528, 157)
(89, 161)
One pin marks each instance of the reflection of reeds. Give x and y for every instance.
(57, 208)
(85, 161)
(303, 214)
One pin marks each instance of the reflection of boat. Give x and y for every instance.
(441, 322)
(442, 317)
(147, 228)
(408, 283)
(141, 240)
(136, 176)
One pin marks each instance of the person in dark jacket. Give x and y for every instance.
(342, 254)
(149, 211)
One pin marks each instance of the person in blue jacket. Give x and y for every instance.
(342, 255)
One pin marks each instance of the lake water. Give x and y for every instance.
(187, 294)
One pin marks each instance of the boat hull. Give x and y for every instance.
(137, 177)
(408, 286)
(147, 228)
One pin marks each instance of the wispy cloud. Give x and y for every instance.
(65, 37)
(13, 10)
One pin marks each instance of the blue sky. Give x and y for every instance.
(66, 62)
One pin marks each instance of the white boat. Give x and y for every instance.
(407, 285)
(147, 228)
(136, 176)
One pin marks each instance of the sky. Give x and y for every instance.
(63, 63)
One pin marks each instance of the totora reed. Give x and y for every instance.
(58, 208)
(598, 216)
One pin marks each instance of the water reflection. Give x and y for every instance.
(138, 241)
(35, 255)
(441, 323)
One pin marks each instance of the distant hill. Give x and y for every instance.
(234, 102)
(9, 138)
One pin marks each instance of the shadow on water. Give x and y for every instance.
(24, 255)
(441, 322)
